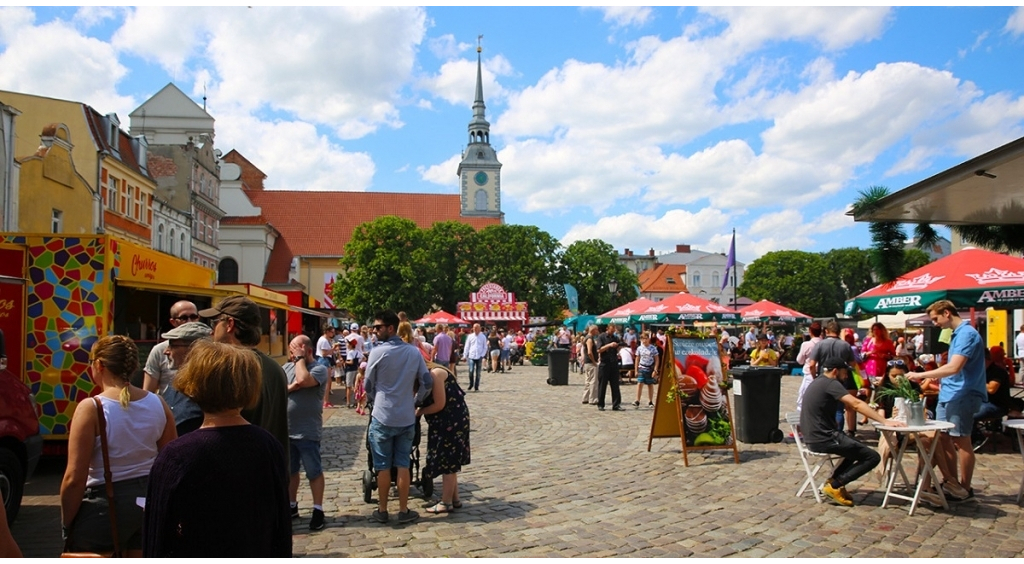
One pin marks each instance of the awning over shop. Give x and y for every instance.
(258, 294)
(492, 303)
(143, 268)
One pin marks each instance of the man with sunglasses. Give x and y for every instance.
(160, 368)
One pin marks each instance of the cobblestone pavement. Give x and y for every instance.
(551, 477)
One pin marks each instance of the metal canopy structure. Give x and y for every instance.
(987, 190)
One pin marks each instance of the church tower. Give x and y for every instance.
(480, 172)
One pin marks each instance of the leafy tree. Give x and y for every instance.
(914, 259)
(383, 268)
(589, 266)
(522, 259)
(450, 246)
(851, 268)
(798, 279)
(887, 238)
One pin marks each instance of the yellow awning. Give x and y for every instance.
(172, 289)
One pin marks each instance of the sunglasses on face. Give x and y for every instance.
(188, 317)
(898, 363)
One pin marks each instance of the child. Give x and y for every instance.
(352, 360)
(646, 366)
(360, 391)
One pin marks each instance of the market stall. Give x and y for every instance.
(491, 304)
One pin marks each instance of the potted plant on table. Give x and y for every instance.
(902, 388)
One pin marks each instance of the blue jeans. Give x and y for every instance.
(475, 367)
(390, 447)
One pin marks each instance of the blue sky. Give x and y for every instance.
(645, 127)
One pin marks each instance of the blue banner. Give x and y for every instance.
(573, 297)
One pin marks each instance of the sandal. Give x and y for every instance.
(441, 507)
(456, 504)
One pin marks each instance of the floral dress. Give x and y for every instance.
(448, 433)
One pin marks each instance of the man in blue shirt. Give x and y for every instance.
(962, 392)
(392, 370)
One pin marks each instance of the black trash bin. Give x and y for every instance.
(756, 392)
(558, 367)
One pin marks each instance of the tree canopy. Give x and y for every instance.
(797, 279)
(589, 265)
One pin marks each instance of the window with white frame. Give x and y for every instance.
(716, 280)
(160, 237)
(696, 279)
(111, 193)
(57, 221)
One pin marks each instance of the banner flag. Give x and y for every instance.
(573, 297)
(730, 264)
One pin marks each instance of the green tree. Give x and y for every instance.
(795, 279)
(589, 266)
(522, 259)
(383, 268)
(887, 238)
(851, 268)
(450, 246)
(914, 259)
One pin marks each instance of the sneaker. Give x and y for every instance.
(317, 521)
(378, 516)
(836, 495)
(407, 516)
(636, 405)
(846, 495)
(618, 408)
(931, 499)
(295, 512)
(954, 491)
(650, 405)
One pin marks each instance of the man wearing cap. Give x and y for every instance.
(306, 380)
(236, 320)
(821, 401)
(834, 347)
(187, 415)
(159, 371)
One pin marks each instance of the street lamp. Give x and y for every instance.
(613, 286)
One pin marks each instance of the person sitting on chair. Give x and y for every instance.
(818, 425)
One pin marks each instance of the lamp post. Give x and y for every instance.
(613, 286)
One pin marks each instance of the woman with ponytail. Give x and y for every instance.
(138, 425)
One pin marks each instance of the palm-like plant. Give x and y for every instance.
(887, 237)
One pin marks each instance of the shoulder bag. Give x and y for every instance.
(109, 485)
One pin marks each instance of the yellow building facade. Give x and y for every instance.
(54, 196)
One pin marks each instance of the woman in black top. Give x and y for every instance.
(494, 350)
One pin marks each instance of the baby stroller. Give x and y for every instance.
(515, 355)
(425, 485)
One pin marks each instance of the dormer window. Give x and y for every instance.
(670, 280)
(113, 130)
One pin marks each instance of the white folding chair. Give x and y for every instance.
(793, 418)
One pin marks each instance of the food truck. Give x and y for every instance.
(80, 288)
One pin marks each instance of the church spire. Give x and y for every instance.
(479, 129)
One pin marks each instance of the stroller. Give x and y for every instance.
(515, 355)
(425, 485)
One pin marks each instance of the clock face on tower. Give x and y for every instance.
(480, 178)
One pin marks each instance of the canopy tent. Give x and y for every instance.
(968, 278)
(622, 313)
(765, 310)
(684, 306)
(441, 317)
(579, 322)
(892, 322)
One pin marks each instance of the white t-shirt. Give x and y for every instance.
(322, 344)
(1019, 342)
(625, 356)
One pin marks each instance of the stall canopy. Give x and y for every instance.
(622, 313)
(492, 303)
(765, 310)
(579, 322)
(968, 278)
(684, 306)
(442, 318)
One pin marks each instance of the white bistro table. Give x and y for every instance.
(925, 454)
(1018, 425)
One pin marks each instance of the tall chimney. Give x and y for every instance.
(650, 253)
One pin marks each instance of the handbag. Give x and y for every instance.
(108, 478)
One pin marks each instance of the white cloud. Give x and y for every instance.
(622, 16)
(341, 67)
(788, 229)
(88, 16)
(1015, 24)
(442, 174)
(446, 47)
(293, 155)
(640, 231)
(56, 60)
(832, 27)
(452, 82)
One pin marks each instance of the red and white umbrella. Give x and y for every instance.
(765, 310)
(622, 313)
(440, 317)
(685, 306)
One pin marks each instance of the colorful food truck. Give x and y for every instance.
(80, 288)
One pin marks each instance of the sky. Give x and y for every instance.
(645, 127)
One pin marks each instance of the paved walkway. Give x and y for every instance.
(553, 478)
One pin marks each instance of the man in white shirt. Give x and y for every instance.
(325, 358)
(474, 352)
(1019, 345)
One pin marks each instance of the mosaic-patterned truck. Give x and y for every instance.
(68, 302)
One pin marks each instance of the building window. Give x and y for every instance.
(716, 280)
(57, 222)
(227, 271)
(696, 279)
(170, 243)
(160, 237)
(111, 193)
(481, 200)
(138, 204)
(181, 246)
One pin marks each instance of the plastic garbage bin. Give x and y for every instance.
(558, 367)
(756, 392)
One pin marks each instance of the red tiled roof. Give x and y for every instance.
(244, 220)
(321, 223)
(655, 280)
(124, 142)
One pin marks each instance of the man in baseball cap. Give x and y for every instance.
(822, 399)
(237, 320)
(187, 415)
